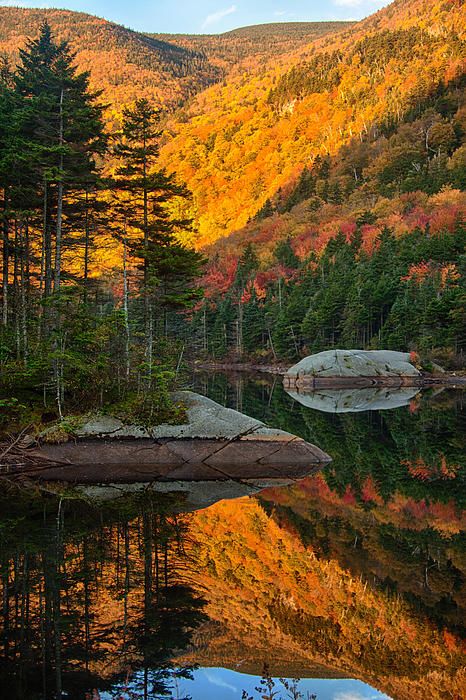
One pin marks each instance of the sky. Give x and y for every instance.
(210, 16)
(215, 683)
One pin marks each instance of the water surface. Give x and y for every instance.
(352, 578)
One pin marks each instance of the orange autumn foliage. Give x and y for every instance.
(269, 595)
(235, 150)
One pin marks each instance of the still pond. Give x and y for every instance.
(352, 579)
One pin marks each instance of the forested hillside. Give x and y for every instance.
(326, 166)
(165, 68)
(334, 189)
(127, 65)
(252, 46)
(365, 248)
(242, 140)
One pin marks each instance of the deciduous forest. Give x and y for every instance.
(322, 174)
(305, 184)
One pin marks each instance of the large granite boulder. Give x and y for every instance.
(215, 443)
(205, 419)
(371, 366)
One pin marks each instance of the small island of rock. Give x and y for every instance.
(214, 443)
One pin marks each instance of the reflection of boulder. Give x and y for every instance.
(193, 495)
(354, 400)
(353, 368)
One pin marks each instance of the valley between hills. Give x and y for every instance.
(318, 167)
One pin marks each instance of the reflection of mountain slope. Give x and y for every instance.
(270, 595)
(396, 544)
(418, 451)
(122, 583)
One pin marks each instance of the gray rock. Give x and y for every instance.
(215, 443)
(355, 363)
(207, 419)
(108, 426)
(99, 425)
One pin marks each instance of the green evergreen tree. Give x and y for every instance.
(168, 268)
(61, 124)
(285, 255)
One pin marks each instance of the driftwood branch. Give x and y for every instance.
(18, 459)
(13, 444)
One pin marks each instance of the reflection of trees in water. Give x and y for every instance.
(93, 597)
(382, 444)
(426, 569)
(380, 523)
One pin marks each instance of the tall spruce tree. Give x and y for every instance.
(59, 130)
(61, 125)
(6, 104)
(168, 267)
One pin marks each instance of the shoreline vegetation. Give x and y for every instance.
(68, 339)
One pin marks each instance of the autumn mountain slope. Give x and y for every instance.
(165, 68)
(253, 45)
(124, 63)
(241, 141)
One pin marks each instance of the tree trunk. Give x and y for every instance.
(86, 244)
(58, 238)
(5, 263)
(47, 244)
(126, 307)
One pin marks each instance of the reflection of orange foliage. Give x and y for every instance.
(254, 565)
(400, 510)
(429, 472)
(450, 641)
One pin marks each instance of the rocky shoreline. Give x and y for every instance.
(311, 383)
(215, 443)
(291, 380)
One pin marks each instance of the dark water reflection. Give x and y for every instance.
(356, 571)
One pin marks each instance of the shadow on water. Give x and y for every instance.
(355, 571)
